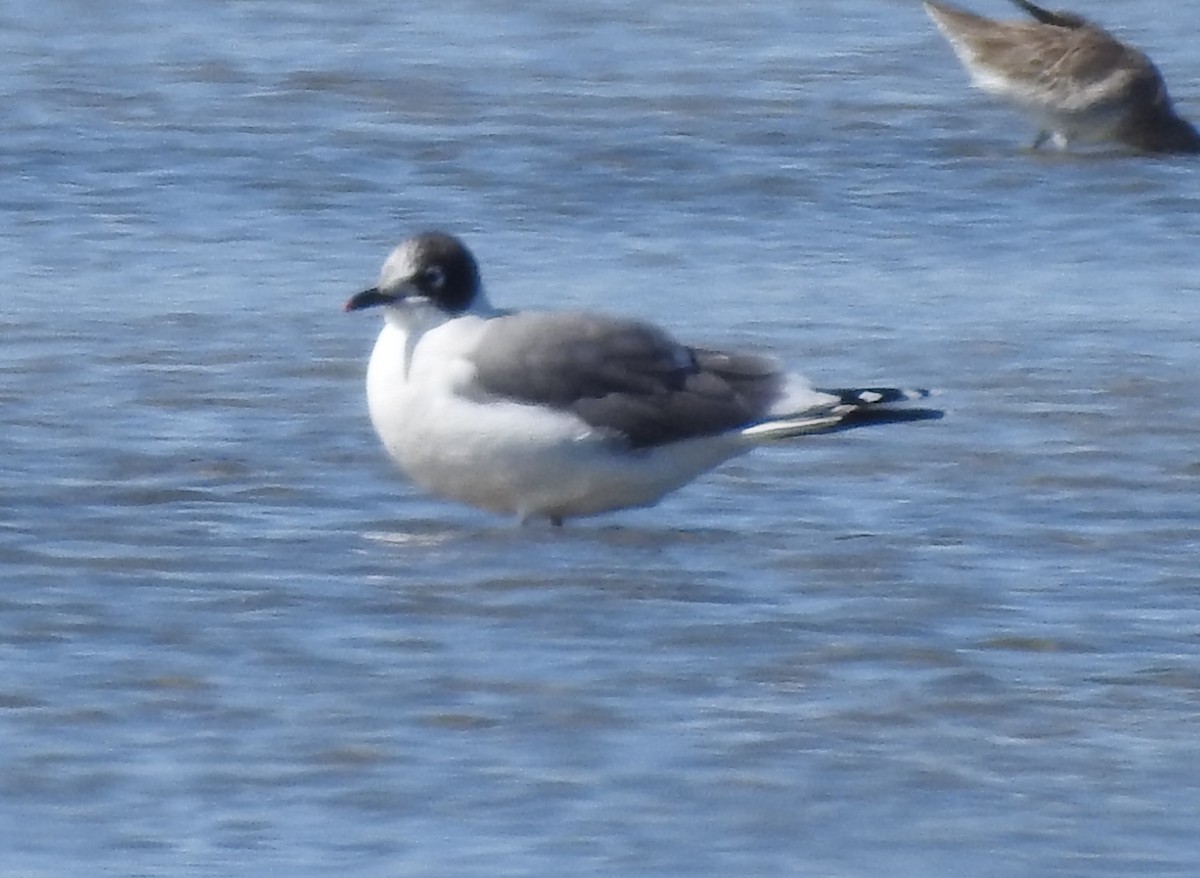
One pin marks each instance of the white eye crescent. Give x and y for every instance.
(433, 278)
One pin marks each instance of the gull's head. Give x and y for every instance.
(432, 270)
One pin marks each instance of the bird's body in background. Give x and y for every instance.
(1079, 83)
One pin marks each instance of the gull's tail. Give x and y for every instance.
(846, 409)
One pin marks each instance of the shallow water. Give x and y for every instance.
(233, 638)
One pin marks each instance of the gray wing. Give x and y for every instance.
(623, 376)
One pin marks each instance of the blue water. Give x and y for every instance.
(234, 641)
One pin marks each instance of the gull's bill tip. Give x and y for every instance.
(367, 299)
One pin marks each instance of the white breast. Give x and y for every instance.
(506, 456)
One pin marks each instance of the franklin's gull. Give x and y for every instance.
(557, 415)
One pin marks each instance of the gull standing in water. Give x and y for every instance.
(558, 415)
(1077, 81)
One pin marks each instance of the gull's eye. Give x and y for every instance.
(431, 279)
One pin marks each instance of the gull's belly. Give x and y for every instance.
(530, 461)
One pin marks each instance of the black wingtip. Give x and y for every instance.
(872, 406)
(871, 396)
(872, 417)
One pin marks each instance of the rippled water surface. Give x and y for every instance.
(234, 641)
